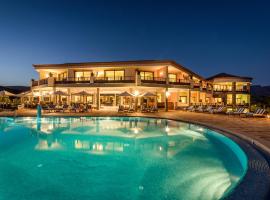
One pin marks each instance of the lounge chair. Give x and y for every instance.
(188, 108)
(144, 109)
(120, 108)
(208, 109)
(221, 109)
(239, 111)
(131, 109)
(199, 109)
(153, 109)
(258, 113)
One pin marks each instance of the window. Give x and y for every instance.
(115, 74)
(241, 86)
(218, 100)
(242, 99)
(82, 75)
(62, 76)
(159, 97)
(183, 99)
(147, 75)
(229, 99)
(172, 77)
(82, 99)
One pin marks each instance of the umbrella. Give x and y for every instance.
(125, 94)
(149, 94)
(25, 94)
(82, 93)
(6, 93)
(60, 93)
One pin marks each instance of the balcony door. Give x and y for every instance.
(115, 74)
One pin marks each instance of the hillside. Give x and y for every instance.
(15, 89)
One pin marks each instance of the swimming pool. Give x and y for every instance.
(115, 158)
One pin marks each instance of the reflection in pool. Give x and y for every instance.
(115, 158)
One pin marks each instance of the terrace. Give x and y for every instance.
(117, 79)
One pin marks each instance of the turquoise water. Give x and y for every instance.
(115, 158)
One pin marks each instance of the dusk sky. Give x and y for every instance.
(207, 37)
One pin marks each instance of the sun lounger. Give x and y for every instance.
(189, 108)
(153, 109)
(199, 109)
(208, 109)
(239, 111)
(131, 109)
(221, 109)
(258, 113)
(121, 108)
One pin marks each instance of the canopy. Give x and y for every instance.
(60, 93)
(149, 94)
(6, 93)
(25, 94)
(125, 94)
(82, 93)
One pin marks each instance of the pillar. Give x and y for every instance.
(233, 94)
(166, 100)
(189, 97)
(167, 74)
(69, 96)
(98, 98)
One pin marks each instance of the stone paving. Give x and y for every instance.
(256, 130)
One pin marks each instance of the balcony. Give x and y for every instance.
(179, 82)
(157, 80)
(39, 82)
(100, 80)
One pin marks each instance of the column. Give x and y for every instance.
(189, 96)
(166, 99)
(233, 94)
(98, 98)
(167, 74)
(69, 96)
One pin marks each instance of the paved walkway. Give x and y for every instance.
(252, 129)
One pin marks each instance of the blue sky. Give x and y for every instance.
(206, 36)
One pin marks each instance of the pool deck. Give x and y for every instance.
(255, 130)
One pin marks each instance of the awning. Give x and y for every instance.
(125, 94)
(60, 93)
(82, 93)
(149, 94)
(5, 93)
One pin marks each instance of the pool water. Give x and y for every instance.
(115, 158)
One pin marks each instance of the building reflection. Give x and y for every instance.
(119, 136)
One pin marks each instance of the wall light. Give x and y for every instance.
(167, 93)
(136, 93)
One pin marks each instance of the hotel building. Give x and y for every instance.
(172, 84)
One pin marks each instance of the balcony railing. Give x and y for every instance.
(39, 82)
(117, 79)
(179, 81)
(158, 80)
(120, 79)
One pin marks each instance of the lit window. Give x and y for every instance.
(172, 77)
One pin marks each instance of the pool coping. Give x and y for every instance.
(256, 182)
